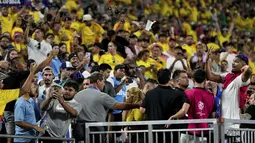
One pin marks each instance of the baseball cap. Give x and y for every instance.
(243, 58)
(99, 45)
(87, 17)
(56, 84)
(72, 55)
(66, 65)
(120, 66)
(47, 68)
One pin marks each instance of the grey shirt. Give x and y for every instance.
(108, 89)
(57, 119)
(95, 105)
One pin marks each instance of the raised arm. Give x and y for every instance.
(30, 21)
(82, 65)
(246, 73)
(217, 24)
(47, 61)
(45, 104)
(28, 81)
(231, 28)
(210, 75)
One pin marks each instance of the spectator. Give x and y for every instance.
(91, 32)
(156, 55)
(4, 44)
(135, 96)
(86, 83)
(151, 66)
(24, 115)
(13, 94)
(38, 49)
(149, 84)
(61, 109)
(18, 74)
(233, 86)
(177, 62)
(95, 105)
(112, 58)
(105, 69)
(56, 62)
(224, 67)
(48, 76)
(198, 60)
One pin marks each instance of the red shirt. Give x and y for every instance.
(201, 107)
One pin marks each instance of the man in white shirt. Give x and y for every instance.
(38, 48)
(233, 83)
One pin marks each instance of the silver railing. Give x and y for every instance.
(69, 140)
(242, 131)
(153, 132)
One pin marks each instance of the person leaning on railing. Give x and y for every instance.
(7, 96)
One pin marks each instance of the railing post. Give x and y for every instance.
(222, 132)
(216, 132)
(150, 134)
(87, 131)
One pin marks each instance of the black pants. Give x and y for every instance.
(79, 133)
(117, 118)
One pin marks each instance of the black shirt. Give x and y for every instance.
(251, 111)
(185, 98)
(13, 82)
(162, 102)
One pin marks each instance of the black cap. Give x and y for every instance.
(133, 36)
(120, 66)
(72, 55)
(99, 45)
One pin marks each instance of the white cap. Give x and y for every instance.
(87, 17)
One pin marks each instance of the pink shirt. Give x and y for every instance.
(201, 107)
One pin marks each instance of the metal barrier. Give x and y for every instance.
(70, 140)
(153, 132)
(238, 131)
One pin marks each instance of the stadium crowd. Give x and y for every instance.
(67, 63)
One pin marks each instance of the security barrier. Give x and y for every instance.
(174, 131)
(153, 132)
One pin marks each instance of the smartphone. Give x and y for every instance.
(139, 68)
(88, 54)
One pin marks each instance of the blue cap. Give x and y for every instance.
(243, 57)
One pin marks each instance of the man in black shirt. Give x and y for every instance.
(161, 103)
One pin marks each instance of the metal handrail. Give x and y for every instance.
(37, 138)
(159, 122)
(236, 121)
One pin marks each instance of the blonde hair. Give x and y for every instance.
(135, 95)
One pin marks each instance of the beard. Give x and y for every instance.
(47, 81)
